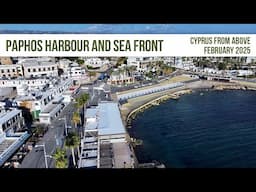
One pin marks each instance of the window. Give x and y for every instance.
(39, 69)
(52, 68)
(2, 71)
(44, 69)
(13, 70)
(28, 69)
(8, 70)
(34, 70)
(49, 68)
(4, 127)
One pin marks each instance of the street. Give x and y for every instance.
(53, 138)
(55, 135)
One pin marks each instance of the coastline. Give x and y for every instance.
(139, 104)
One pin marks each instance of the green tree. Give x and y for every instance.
(167, 70)
(120, 61)
(131, 70)
(80, 61)
(222, 66)
(39, 131)
(60, 158)
(80, 102)
(72, 141)
(92, 74)
(76, 118)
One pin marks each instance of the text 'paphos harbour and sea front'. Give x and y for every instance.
(84, 45)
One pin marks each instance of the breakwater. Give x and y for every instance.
(154, 102)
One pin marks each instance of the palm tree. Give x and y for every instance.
(72, 141)
(80, 102)
(131, 70)
(60, 159)
(76, 118)
(84, 99)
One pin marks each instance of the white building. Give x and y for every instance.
(40, 69)
(105, 144)
(11, 121)
(10, 71)
(39, 101)
(50, 112)
(64, 64)
(120, 78)
(250, 60)
(96, 62)
(106, 119)
(76, 72)
(69, 94)
(210, 70)
(21, 82)
(22, 60)
(143, 63)
(241, 73)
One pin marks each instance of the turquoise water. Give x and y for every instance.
(216, 129)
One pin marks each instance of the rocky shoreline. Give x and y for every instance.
(233, 87)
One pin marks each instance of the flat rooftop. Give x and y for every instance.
(110, 121)
(50, 107)
(6, 115)
(122, 155)
(91, 125)
(106, 155)
(37, 63)
(87, 163)
(91, 112)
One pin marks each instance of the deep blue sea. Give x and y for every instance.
(213, 130)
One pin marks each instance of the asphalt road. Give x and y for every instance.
(53, 138)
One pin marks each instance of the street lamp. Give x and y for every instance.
(66, 128)
(45, 156)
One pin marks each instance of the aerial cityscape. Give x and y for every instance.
(83, 112)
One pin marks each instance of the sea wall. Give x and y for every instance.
(139, 104)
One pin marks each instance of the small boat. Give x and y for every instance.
(201, 94)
